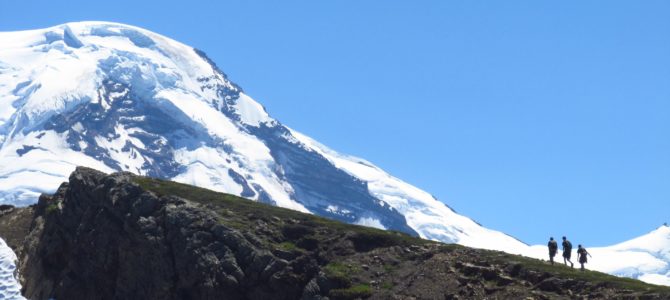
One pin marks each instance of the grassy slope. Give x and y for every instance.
(595, 277)
(237, 211)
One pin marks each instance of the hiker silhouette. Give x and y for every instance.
(553, 248)
(567, 252)
(581, 255)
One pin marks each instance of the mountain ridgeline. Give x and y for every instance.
(122, 236)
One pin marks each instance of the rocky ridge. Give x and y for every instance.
(122, 236)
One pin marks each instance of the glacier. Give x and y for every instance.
(115, 97)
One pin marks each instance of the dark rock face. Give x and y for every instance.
(15, 225)
(102, 237)
(124, 237)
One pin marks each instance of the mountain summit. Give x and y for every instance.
(120, 98)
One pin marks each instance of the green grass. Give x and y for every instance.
(353, 292)
(341, 269)
(53, 207)
(287, 246)
(341, 274)
(562, 271)
(364, 238)
(236, 212)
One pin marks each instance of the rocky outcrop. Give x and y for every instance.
(121, 236)
(104, 237)
(15, 225)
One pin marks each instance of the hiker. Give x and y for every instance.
(581, 255)
(553, 248)
(567, 252)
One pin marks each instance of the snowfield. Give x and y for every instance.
(120, 98)
(646, 258)
(9, 285)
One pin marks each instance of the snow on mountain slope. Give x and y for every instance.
(115, 81)
(9, 285)
(120, 98)
(646, 258)
(423, 212)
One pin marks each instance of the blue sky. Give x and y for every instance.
(535, 118)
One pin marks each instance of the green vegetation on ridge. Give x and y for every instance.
(235, 208)
(560, 270)
(305, 232)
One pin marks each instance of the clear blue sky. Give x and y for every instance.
(535, 118)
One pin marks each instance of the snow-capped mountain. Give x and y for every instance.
(120, 98)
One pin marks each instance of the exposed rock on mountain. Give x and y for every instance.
(121, 236)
